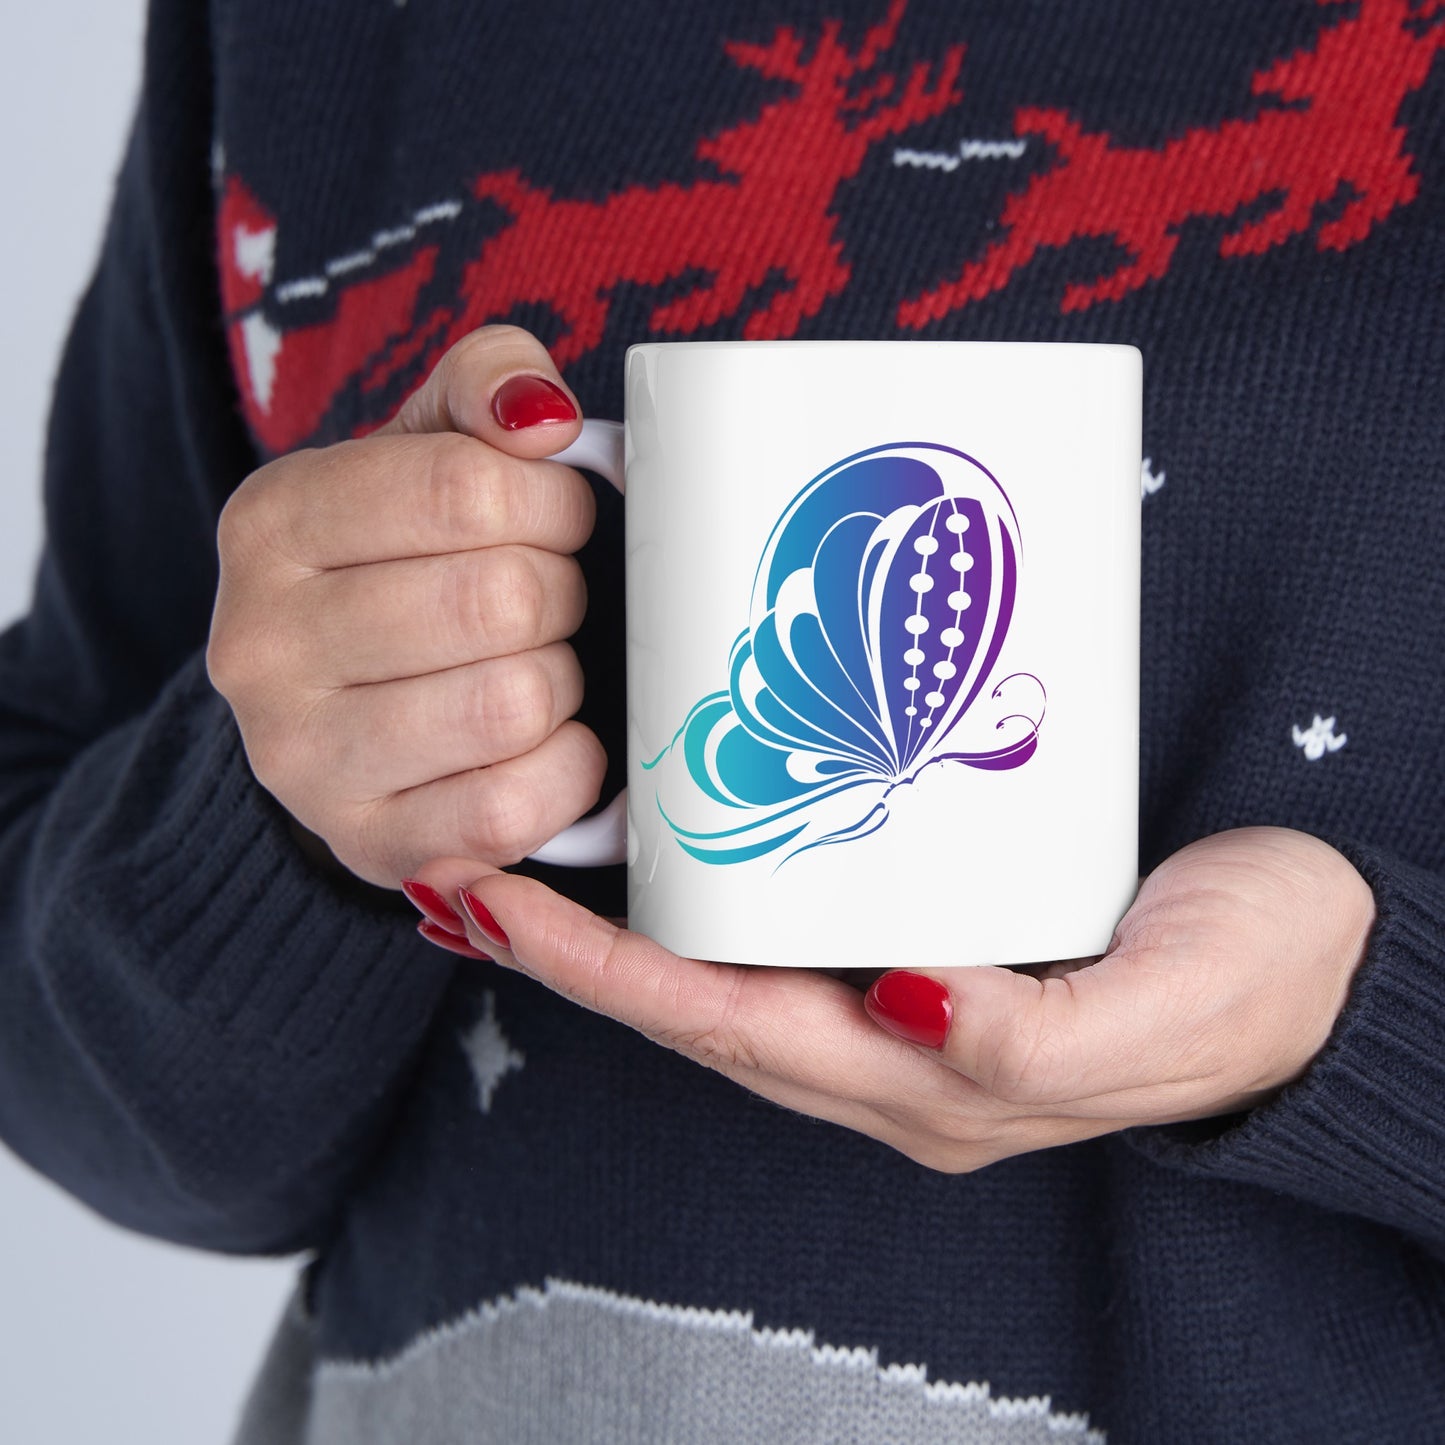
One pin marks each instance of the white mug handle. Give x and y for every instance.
(602, 838)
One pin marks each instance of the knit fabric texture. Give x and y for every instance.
(524, 1221)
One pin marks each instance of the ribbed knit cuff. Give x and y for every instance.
(218, 908)
(221, 1031)
(1363, 1131)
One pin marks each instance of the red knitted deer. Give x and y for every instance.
(1332, 132)
(769, 216)
(767, 220)
(1327, 131)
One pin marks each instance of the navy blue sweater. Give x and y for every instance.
(527, 1222)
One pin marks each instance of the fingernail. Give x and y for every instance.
(450, 941)
(481, 916)
(914, 1008)
(434, 906)
(523, 401)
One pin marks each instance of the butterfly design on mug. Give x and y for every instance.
(879, 611)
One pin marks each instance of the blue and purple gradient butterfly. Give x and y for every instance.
(879, 611)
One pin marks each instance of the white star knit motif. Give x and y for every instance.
(489, 1052)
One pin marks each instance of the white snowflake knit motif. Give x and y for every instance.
(1319, 738)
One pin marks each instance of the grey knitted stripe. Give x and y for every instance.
(574, 1365)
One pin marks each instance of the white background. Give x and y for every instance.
(103, 1336)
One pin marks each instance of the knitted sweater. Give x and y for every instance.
(527, 1223)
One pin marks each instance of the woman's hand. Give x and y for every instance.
(1221, 984)
(390, 620)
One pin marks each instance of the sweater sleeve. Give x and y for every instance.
(200, 1036)
(1363, 1131)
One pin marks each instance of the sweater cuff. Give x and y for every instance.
(228, 919)
(1363, 1130)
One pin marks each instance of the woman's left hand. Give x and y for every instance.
(1221, 984)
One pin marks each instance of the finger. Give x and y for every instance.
(497, 815)
(788, 1035)
(442, 882)
(500, 386)
(402, 496)
(450, 942)
(423, 614)
(402, 734)
(805, 1031)
(433, 906)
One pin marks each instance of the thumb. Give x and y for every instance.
(1027, 1040)
(498, 385)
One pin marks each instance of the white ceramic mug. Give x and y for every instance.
(882, 650)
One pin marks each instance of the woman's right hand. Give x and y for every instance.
(391, 620)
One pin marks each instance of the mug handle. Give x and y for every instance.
(602, 838)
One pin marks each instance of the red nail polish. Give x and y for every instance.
(450, 941)
(914, 1008)
(523, 401)
(434, 906)
(481, 915)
